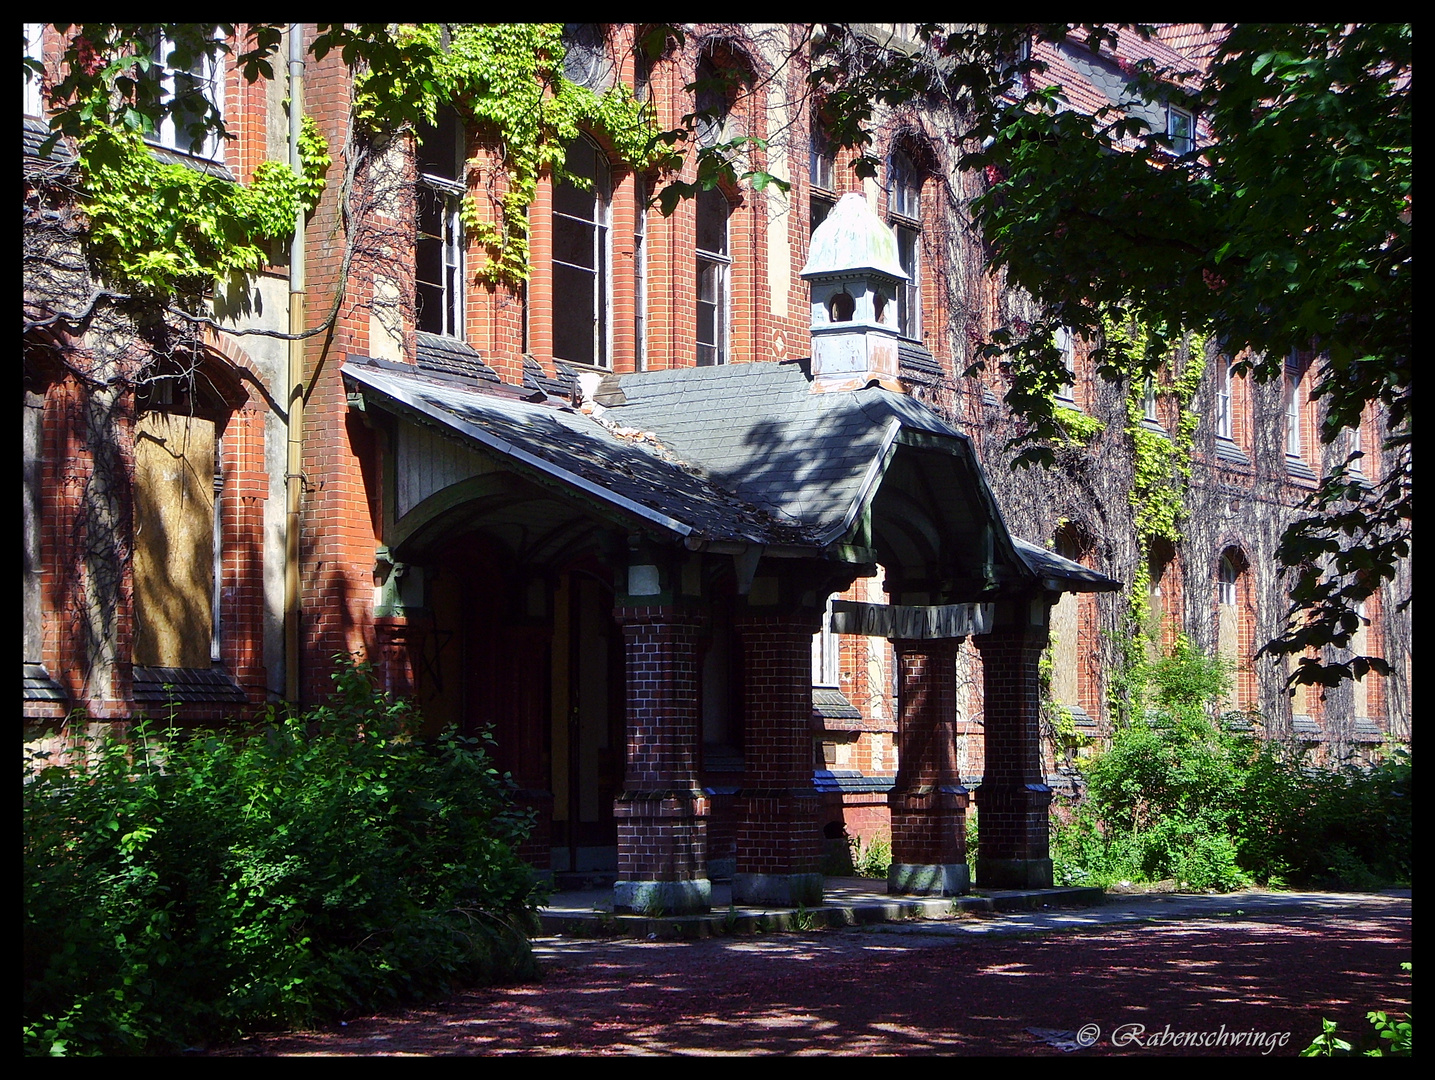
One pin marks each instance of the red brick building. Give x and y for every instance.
(698, 518)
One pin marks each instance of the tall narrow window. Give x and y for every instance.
(1066, 345)
(1224, 427)
(905, 204)
(713, 261)
(821, 175)
(1292, 405)
(1148, 401)
(190, 85)
(825, 651)
(438, 254)
(33, 37)
(217, 574)
(176, 458)
(1356, 444)
(1226, 581)
(580, 258)
(640, 275)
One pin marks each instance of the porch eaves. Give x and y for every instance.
(622, 473)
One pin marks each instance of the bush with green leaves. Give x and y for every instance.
(183, 886)
(1182, 795)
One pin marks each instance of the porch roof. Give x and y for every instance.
(743, 454)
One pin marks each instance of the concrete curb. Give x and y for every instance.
(847, 902)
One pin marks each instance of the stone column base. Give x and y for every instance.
(929, 879)
(1014, 873)
(658, 898)
(777, 890)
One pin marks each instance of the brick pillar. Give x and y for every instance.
(1012, 800)
(928, 802)
(662, 812)
(779, 842)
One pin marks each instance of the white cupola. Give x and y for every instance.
(854, 273)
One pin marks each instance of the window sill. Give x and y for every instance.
(1228, 451)
(168, 155)
(1298, 469)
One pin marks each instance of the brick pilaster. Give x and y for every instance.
(928, 802)
(662, 811)
(1013, 798)
(779, 842)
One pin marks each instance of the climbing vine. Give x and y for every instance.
(1077, 429)
(508, 80)
(165, 230)
(1161, 468)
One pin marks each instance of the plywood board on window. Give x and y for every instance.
(174, 540)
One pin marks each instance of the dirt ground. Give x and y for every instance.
(1230, 978)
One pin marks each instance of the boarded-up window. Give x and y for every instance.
(32, 432)
(174, 539)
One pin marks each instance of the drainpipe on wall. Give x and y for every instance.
(293, 473)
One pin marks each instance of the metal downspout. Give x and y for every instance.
(293, 473)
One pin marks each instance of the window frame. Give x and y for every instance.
(446, 190)
(904, 210)
(717, 265)
(1150, 407)
(640, 274)
(1228, 576)
(1065, 342)
(1180, 144)
(600, 229)
(821, 197)
(1225, 416)
(210, 81)
(1294, 417)
(826, 653)
(33, 99)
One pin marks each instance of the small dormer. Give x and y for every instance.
(854, 272)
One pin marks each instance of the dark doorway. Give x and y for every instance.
(588, 729)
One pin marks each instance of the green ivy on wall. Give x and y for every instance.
(1077, 429)
(507, 78)
(1161, 471)
(170, 231)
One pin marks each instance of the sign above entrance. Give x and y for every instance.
(910, 621)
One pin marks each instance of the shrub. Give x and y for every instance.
(872, 859)
(1180, 795)
(192, 885)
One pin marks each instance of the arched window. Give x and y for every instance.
(581, 259)
(904, 204)
(1226, 579)
(1073, 671)
(179, 423)
(1235, 623)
